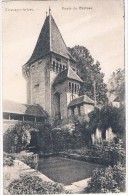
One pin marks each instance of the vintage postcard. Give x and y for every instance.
(64, 108)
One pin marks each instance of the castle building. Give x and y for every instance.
(51, 75)
(52, 85)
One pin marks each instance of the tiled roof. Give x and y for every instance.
(19, 108)
(50, 40)
(80, 100)
(67, 73)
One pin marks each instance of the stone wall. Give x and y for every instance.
(36, 82)
(40, 78)
(69, 97)
(80, 110)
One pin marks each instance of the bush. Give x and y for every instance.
(116, 153)
(104, 153)
(7, 159)
(7, 155)
(17, 137)
(28, 158)
(34, 185)
(107, 180)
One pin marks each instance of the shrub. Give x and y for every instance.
(17, 137)
(28, 158)
(105, 153)
(113, 153)
(44, 138)
(107, 180)
(34, 185)
(7, 155)
(8, 159)
(116, 153)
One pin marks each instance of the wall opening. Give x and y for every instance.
(57, 106)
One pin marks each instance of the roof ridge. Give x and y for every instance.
(11, 101)
(60, 34)
(50, 31)
(68, 70)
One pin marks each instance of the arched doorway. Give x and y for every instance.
(33, 146)
(57, 105)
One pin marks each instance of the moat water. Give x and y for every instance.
(66, 171)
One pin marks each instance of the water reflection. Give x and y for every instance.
(65, 171)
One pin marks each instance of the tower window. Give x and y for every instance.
(72, 111)
(33, 66)
(39, 62)
(60, 67)
(75, 88)
(58, 59)
(70, 87)
(37, 85)
(53, 65)
(57, 67)
(63, 67)
(79, 112)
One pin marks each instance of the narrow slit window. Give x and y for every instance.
(53, 65)
(60, 67)
(33, 67)
(37, 85)
(72, 111)
(79, 111)
(56, 67)
(39, 62)
(75, 88)
(78, 88)
(70, 87)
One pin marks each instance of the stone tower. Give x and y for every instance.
(49, 58)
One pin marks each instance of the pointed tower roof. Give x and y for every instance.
(67, 74)
(49, 40)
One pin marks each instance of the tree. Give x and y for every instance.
(116, 84)
(107, 117)
(94, 120)
(89, 72)
(18, 137)
(84, 133)
(44, 139)
(113, 117)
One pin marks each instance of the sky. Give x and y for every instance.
(100, 29)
